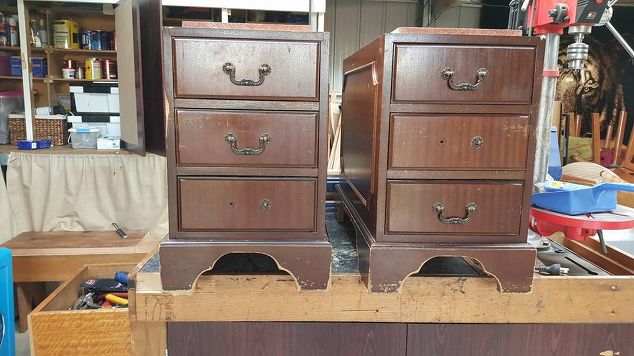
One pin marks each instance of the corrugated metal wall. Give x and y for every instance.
(354, 23)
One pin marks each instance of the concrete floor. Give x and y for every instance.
(22, 345)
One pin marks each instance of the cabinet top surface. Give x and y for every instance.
(245, 33)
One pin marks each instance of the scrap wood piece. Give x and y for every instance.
(620, 133)
(596, 137)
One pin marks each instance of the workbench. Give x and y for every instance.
(56, 256)
(238, 313)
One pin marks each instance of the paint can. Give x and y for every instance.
(104, 40)
(93, 68)
(80, 73)
(109, 70)
(66, 34)
(95, 40)
(85, 40)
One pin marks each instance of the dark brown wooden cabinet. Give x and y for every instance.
(437, 151)
(383, 339)
(247, 151)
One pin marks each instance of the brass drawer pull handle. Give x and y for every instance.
(477, 142)
(448, 73)
(230, 70)
(233, 142)
(439, 209)
(265, 204)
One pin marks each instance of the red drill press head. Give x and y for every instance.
(552, 16)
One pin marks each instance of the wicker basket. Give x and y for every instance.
(51, 127)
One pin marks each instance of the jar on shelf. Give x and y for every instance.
(69, 69)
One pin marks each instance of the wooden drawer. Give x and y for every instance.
(458, 142)
(237, 69)
(244, 204)
(239, 138)
(412, 207)
(418, 73)
(55, 330)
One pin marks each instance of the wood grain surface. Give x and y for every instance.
(520, 340)
(343, 339)
(201, 138)
(55, 330)
(274, 339)
(409, 207)
(421, 300)
(615, 261)
(148, 338)
(236, 204)
(424, 75)
(358, 130)
(198, 68)
(457, 31)
(72, 242)
(103, 332)
(246, 26)
(296, 52)
(451, 142)
(418, 67)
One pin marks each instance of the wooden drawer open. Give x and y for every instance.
(246, 204)
(246, 69)
(439, 207)
(246, 138)
(423, 73)
(55, 330)
(485, 142)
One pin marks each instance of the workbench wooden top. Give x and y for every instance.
(54, 256)
(422, 300)
(77, 243)
(446, 299)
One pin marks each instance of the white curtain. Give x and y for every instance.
(6, 220)
(76, 192)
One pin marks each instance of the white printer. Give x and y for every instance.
(96, 105)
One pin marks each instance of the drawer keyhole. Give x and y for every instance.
(477, 142)
(265, 204)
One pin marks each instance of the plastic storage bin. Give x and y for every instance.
(10, 101)
(84, 137)
(7, 316)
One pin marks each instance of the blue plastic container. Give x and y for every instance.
(34, 144)
(575, 199)
(7, 316)
(39, 67)
(16, 66)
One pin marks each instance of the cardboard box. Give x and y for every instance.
(108, 143)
